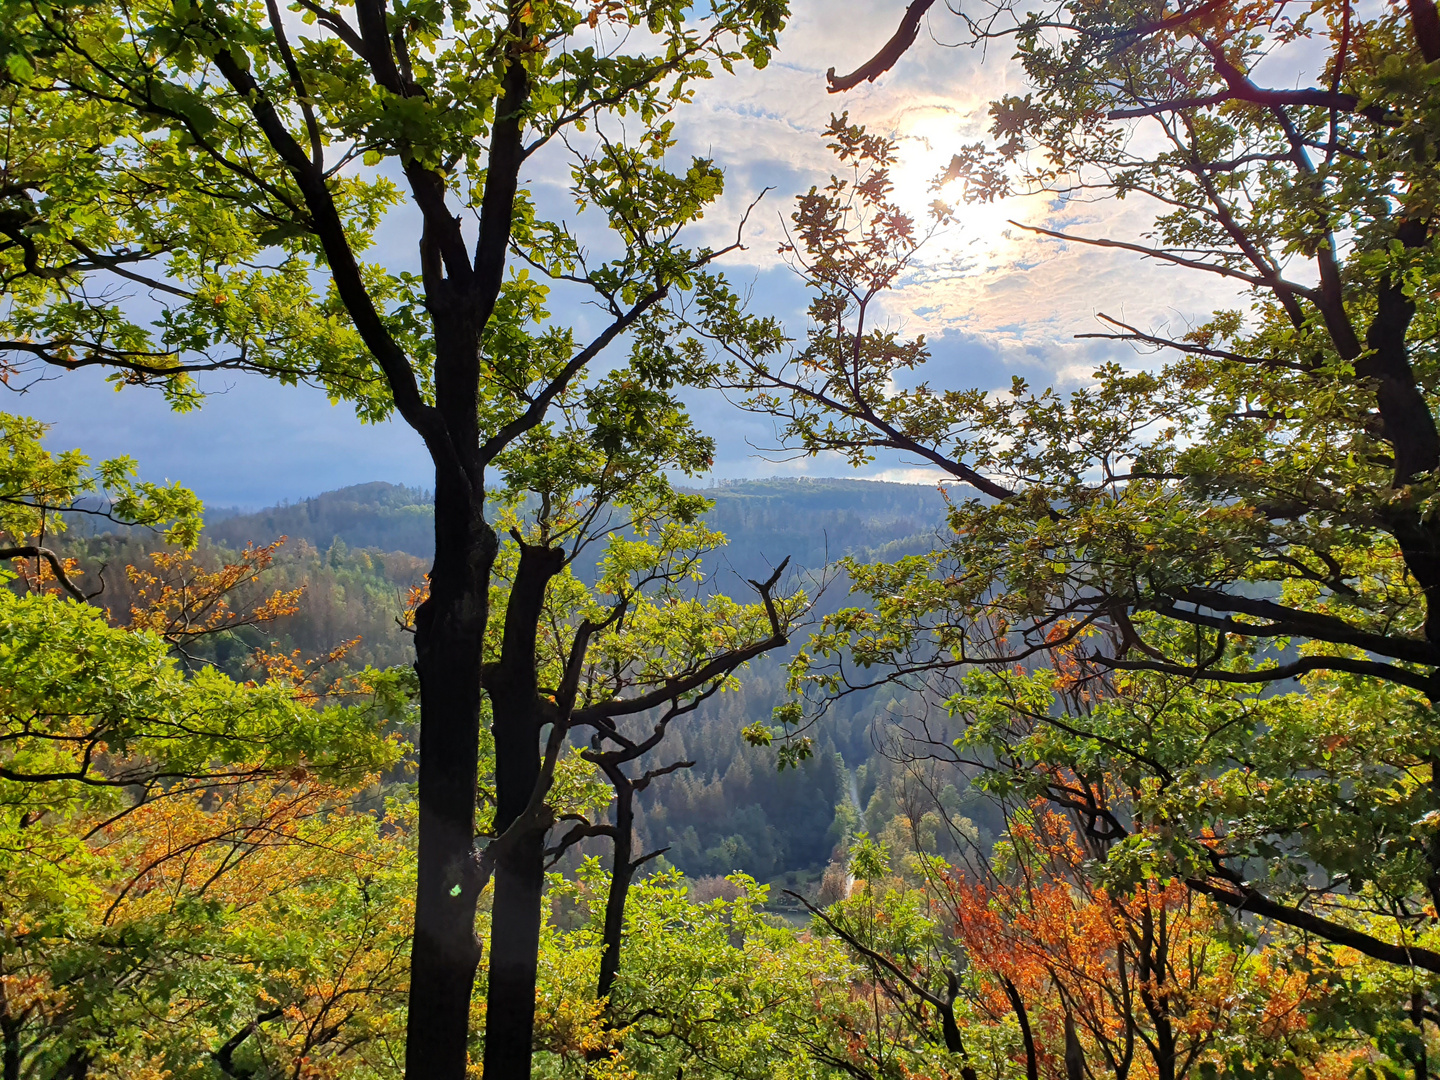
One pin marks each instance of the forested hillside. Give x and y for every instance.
(813, 522)
(385, 517)
(733, 811)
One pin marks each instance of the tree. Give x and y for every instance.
(1027, 965)
(1202, 785)
(715, 989)
(38, 490)
(634, 645)
(258, 927)
(242, 165)
(156, 820)
(1143, 980)
(1254, 509)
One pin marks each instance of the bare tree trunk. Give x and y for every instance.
(448, 636)
(514, 961)
(518, 715)
(10, 1053)
(1074, 1052)
(622, 874)
(1027, 1036)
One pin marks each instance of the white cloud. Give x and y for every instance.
(994, 300)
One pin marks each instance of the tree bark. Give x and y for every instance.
(518, 715)
(1426, 24)
(514, 960)
(1408, 423)
(10, 1054)
(621, 875)
(448, 639)
(449, 642)
(1074, 1052)
(1027, 1036)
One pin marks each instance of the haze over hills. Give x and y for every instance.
(811, 521)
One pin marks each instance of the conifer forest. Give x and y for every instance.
(834, 540)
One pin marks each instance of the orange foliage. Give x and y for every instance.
(185, 847)
(39, 576)
(180, 599)
(248, 850)
(1148, 981)
(306, 675)
(281, 878)
(417, 595)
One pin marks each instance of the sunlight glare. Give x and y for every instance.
(981, 237)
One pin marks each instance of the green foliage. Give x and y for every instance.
(189, 880)
(99, 125)
(265, 918)
(88, 707)
(38, 487)
(712, 988)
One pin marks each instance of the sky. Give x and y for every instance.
(993, 300)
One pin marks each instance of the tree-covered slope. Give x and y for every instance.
(358, 553)
(811, 521)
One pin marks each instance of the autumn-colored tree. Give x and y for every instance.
(1144, 981)
(257, 928)
(184, 862)
(180, 600)
(1035, 968)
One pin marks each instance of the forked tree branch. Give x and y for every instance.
(596, 715)
(535, 412)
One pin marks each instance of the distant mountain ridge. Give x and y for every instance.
(812, 521)
(386, 517)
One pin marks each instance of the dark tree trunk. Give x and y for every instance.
(518, 715)
(1431, 847)
(515, 912)
(622, 874)
(514, 961)
(1027, 1036)
(445, 953)
(1408, 423)
(620, 878)
(951, 1030)
(1074, 1052)
(1426, 23)
(1151, 952)
(10, 1032)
